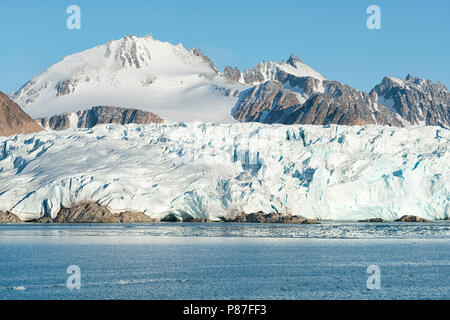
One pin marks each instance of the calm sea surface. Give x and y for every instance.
(225, 261)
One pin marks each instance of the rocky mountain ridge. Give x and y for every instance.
(179, 84)
(416, 100)
(98, 115)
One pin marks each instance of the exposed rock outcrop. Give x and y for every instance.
(8, 217)
(344, 105)
(418, 101)
(13, 120)
(157, 71)
(261, 217)
(231, 73)
(372, 220)
(266, 103)
(92, 212)
(272, 71)
(175, 218)
(408, 218)
(339, 104)
(190, 219)
(199, 53)
(99, 115)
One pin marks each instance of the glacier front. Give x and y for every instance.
(209, 170)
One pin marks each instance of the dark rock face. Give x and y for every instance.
(8, 217)
(92, 212)
(206, 59)
(266, 103)
(306, 85)
(293, 59)
(170, 218)
(372, 220)
(132, 217)
(415, 100)
(394, 102)
(232, 74)
(411, 219)
(191, 219)
(174, 218)
(100, 115)
(254, 75)
(344, 105)
(338, 104)
(13, 120)
(65, 87)
(261, 217)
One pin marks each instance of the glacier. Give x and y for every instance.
(212, 170)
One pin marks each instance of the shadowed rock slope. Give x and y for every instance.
(99, 115)
(261, 217)
(13, 120)
(8, 217)
(340, 104)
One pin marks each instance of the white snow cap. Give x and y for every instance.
(134, 72)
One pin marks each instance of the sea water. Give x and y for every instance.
(225, 261)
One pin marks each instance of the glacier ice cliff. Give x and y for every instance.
(208, 170)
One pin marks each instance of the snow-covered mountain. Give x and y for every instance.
(269, 71)
(311, 101)
(290, 99)
(141, 72)
(178, 84)
(137, 72)
(212, 170)
(416, 100)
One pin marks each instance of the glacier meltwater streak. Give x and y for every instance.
(208, 170)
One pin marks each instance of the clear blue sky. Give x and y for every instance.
(331, 36)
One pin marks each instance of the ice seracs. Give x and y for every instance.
(207, 171)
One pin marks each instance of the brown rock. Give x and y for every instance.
(372, 220)
(261, 217)
(42, 220)
(191, 219)
(408, 218)
(339, 104)
(8, 217)
(416, 100)
(100, 115)
(170, 218)
(13, 120)
(132, 217)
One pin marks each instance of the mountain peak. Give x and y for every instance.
(293, 60)
(129, 71)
